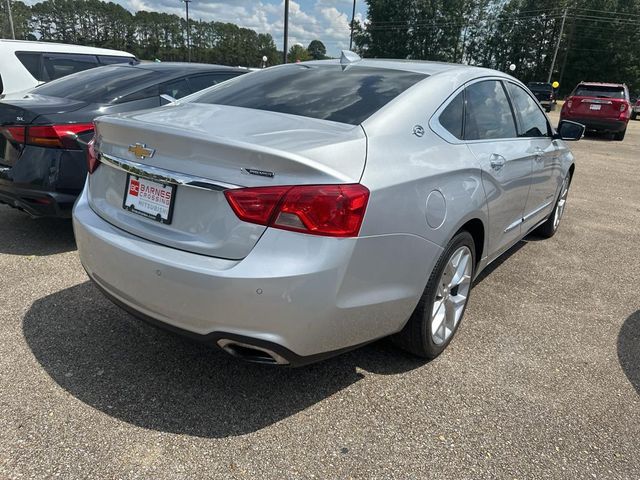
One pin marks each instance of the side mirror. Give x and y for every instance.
(166, 99)
(570, 131)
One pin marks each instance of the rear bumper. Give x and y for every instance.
(43, 181)
(39, 203)
(301, 296)
(600, 124)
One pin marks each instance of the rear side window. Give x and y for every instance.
(31, 61)
(487, 112)
(100, 85)
(451, 116)
(532, 122)
(111, 59)
(200, 82)
(58, 65)
(175, 88)
(599, 91)
(327, 92)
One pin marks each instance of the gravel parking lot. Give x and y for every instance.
(542, 380)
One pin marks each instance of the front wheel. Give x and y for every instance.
(549, 228)
(441, 307)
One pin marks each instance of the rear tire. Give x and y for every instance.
(633, 115)
(437, 317)
(549, 228)
(619, 136)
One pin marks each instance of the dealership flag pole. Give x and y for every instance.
(186, 2)
(13, 33)
(555, 53)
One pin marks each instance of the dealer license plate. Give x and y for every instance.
(150, 199)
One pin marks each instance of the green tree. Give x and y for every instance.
(317, 50)
(298, 53)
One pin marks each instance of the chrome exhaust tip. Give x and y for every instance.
(251, 353)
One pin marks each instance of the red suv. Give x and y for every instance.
(599, 106)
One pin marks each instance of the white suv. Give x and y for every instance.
(24, 65)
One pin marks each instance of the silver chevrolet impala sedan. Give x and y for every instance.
(297, 212)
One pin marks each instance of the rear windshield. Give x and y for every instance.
(326, 92)
(540, 87)
(98, 85)
(599, 91)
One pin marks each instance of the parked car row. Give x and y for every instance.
(293, 213)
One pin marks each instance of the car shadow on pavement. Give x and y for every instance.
(21, 234)
(154, 379)
(629, 349)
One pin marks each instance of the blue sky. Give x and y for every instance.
(326, 20)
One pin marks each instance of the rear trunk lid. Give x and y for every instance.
(214, 147)
(25, 111)
(608, 108)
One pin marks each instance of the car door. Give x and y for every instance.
(490, 132)
(537, 142)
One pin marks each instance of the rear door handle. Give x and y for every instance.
(497, 161)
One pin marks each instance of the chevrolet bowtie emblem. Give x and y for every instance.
(141, 151)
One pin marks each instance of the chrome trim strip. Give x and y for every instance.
(513, 225)
(164, 176)
(536, 211)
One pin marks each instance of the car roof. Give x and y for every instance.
(51, 47)
(416, 66)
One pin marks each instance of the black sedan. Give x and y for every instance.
(43, 135)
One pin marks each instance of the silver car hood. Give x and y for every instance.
(222, 142)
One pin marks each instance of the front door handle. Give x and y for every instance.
(497, 161)
(539, 153)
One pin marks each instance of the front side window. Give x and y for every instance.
(532, 122)
(327, 92)
(487, 112)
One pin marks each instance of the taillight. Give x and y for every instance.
(14, 133)
(569, 103)
(92, 157)
(57, 136)
(623, 106)
(330, 210)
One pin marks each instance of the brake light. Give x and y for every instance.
(330, 210)
(569, 103)
(92, 157)
(623, 106)
(14, 133)
(57, 136)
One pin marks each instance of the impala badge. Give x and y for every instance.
(141, 151)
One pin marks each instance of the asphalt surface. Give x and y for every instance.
(541, 381)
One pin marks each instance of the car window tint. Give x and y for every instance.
(200, 82)
(328, 92)
(532, 121)
(487, 112)
(599, 91)
(58, 65)
(176, 88)
(99, 85)
(451, 116)
(111, 59)
(31, 61)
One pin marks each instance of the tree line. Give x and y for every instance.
(600, 40)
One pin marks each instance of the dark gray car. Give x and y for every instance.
(43, 134)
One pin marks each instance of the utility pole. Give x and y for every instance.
(13, 32)
(286, 30)
(186, 3)
(353, 19)
(555, 53)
